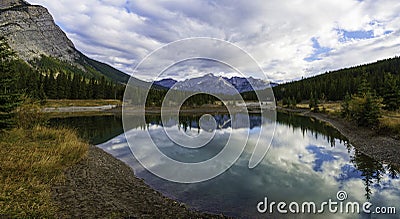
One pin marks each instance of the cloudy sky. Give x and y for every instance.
(290, 39)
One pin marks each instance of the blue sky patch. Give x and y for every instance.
(388, 32)
(318, 50)
(321, 156)
(358, 34)
(348, 172)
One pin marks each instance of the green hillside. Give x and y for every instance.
(382, 76)
(87, 67)
(104, 69)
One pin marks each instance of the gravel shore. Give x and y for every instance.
(380, 147)
(103, 187)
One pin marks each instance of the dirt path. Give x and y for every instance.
(71, 109)
(103, 187)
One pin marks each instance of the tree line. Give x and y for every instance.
(383, 78)
(59, 82)
(68, 86)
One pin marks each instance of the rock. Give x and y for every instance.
(4, 4)
(31, 31)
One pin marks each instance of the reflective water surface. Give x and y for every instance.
(308, 161)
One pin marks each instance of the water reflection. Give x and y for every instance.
(308, 161)
(95, 129)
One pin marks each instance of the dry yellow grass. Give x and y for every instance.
(391, 120)
(330, 107)
(303, 106)
(30, 162)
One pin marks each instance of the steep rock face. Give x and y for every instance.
(30, 30)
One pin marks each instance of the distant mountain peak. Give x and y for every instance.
(208, 83)
(215, 84)
(166, 83)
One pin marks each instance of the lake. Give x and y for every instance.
(307, 161)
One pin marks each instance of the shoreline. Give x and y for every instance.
(382, 148)
(101, 186)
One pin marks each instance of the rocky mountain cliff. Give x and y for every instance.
(31, 32)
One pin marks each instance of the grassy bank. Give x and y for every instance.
(30, 162)
(67, 103)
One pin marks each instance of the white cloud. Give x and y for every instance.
(277, 33)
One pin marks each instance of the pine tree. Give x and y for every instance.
(61, 82)
(391, 93)
(345, 106)
(10, 97)
(313, 102)
(51, 89)
(365, 107)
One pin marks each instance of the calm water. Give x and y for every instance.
(308, 161)
(95, 129)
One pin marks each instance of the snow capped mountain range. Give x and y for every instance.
(210, 83)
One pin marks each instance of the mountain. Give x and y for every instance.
(32, 33)
(166, 83)
(214, 84)
(247, 84)
(207, 84)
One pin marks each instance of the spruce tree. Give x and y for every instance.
(391, 93)
(345, 106)
(364, 107)
(10, 97)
